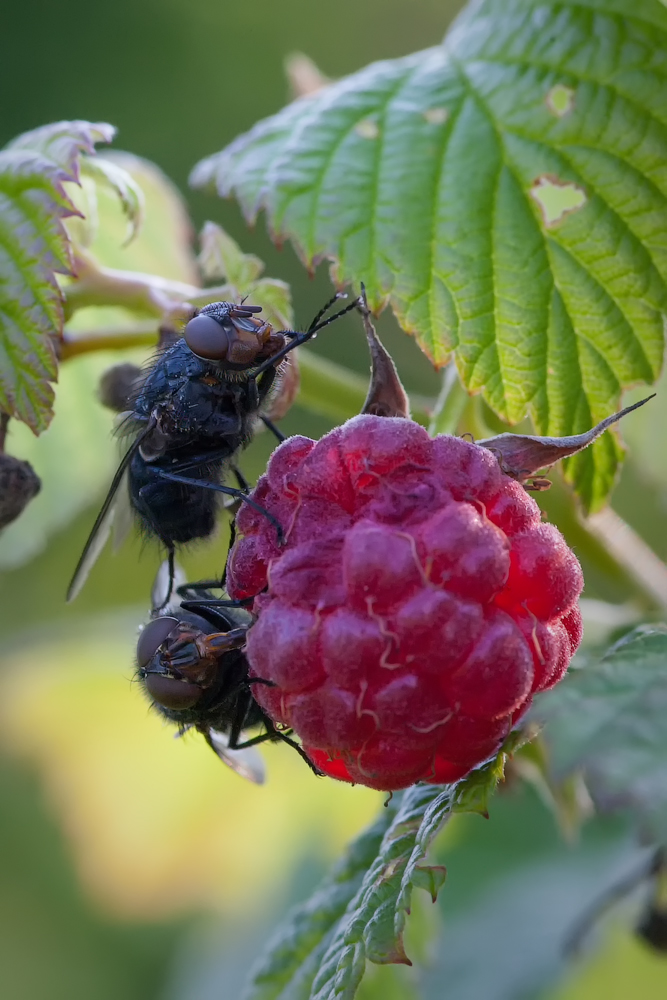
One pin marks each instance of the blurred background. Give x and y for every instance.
(133, 865)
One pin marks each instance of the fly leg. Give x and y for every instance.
(198, 460)
(199, 587)
(270, 426)
(275, 734)
(202, 603)
(272, 734)
(317, 324)
(228, 491)
(244, 704)
(241, 479)
(232, 539)
(171, 557)
(259, 388)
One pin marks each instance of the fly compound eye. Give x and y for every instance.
(207, 338)
(152, 637)
(171, 693)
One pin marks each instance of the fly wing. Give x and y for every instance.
(248, 762)
(167, 603)
(123, 519)
(102, 527)
(93, 547)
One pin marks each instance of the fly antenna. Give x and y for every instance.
(313, 329)
(325, 308)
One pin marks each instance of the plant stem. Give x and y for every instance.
(144, 293)
(638, 560)
(450, 404)
(109, 339)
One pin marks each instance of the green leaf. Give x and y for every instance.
(109, 172)
(293, 955)
(76, 456)
(608, 720)
(359, 912)
(61, 143)
(164, 243)
(517, 892)
(275, 298)
(34, 248)
(222, 258)
(505, 191)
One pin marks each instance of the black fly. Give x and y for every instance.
(194, 410)
(193, 668)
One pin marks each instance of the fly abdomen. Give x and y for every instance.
(175, 512)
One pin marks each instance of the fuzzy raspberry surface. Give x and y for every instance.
(417, 606)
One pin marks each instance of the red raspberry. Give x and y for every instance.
(416, 607)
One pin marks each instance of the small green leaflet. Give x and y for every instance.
(608, 720)
(34, 248)
(359, 911)
(109, 172)
(505, 192)
(222, 258)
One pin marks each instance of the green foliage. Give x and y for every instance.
(516, 891)
(156, 210)
(294, 954)
(221, 258)
(35, 247)
(75, 457)
(109, 172)
(506, 192)
(358, 913)
(608, 720)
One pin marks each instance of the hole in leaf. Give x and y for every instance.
(557, 198)
(436, 116)
(367, 128)
(560, 100)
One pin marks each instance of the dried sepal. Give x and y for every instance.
(19, 483)
(386, 395)
(522, 455)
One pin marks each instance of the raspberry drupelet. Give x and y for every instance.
(417, 605)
